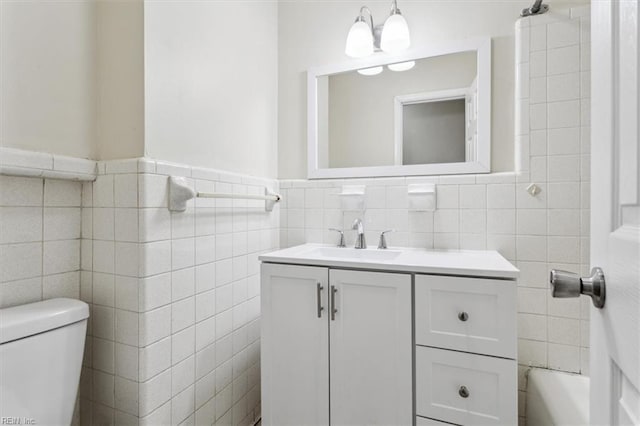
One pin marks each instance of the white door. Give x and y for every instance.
(371, 348)
(615, 209)
(294, 346)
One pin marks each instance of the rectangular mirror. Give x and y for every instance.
(433, 118)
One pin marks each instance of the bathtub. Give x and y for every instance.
(557, 398)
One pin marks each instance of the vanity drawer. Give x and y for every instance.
(467, 314)
(466, 389)
(423, 421)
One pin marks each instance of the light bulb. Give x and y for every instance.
(395, 34)
(370, 71)
(359, 40)
(402, 66)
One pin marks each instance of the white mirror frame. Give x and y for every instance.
(482, 164)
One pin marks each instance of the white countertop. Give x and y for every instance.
(477, 263)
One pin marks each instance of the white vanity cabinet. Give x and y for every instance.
(466, 372)
(339, 339)
(388, 337)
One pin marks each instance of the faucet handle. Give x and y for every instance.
(341, 243)
(382, 244)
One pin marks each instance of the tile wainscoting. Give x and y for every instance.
(40, 231)
(175, 334)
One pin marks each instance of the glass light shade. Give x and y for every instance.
(395, 34)
(402, 66)
(359, 40)
(370, 71)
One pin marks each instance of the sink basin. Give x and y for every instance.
(355, 254)
(478, 263)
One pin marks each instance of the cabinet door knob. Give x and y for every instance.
(463, 316)
(463, 392)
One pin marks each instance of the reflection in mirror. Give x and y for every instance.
(436, 127)
(410, 117)
(424, 119)
(432, 132)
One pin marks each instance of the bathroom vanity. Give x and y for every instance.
(388, 337)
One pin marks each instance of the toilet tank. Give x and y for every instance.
(41, 349)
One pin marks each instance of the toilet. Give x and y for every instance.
(41, 349)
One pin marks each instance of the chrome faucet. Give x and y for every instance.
(341, 243)
(361, 243)
(382, 244)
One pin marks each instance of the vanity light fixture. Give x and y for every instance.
(395, 32)
(370, 71)
(360, 39)
(365, 38)
(402, 66)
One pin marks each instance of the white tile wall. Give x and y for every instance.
(16, 162)
(40, 229)
(175, 298)
(40, 225)
(559, 154)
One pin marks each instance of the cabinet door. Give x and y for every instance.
(294, 346)
(371, 348)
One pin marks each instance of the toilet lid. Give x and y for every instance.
(23, 321)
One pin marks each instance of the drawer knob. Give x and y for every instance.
(463, 316)
(463, 392)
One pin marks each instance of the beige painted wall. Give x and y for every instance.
(120, 76)
(211, 84)
(171, 80)
(313, 34)
(47, 87)
(72, 77)
(209, 102)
